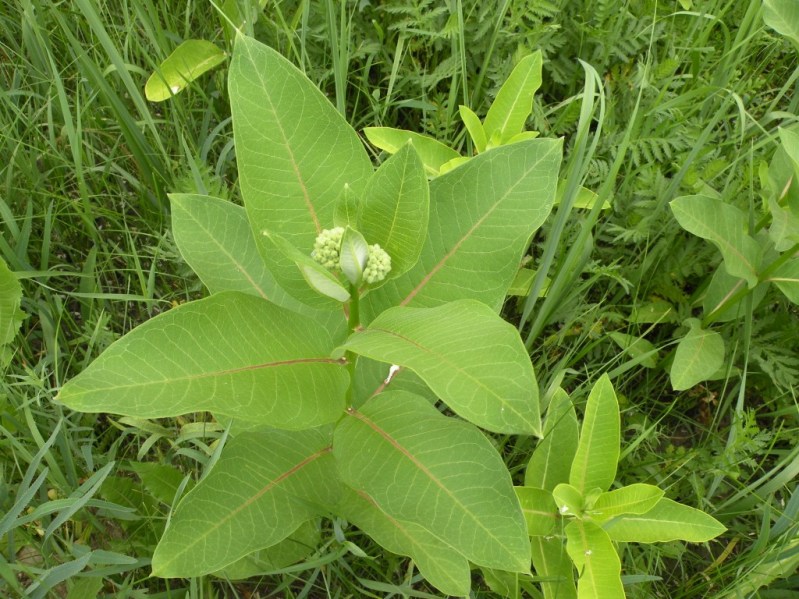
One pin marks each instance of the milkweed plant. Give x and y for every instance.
(335, 274)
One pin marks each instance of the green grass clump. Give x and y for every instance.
(674, 98)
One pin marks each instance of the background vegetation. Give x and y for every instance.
(693, 94)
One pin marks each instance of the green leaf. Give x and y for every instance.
(231, 353)
(653, 312)
(161, 480)
(725, 227)
(317, 277)
(637, 348)
(552, 563)
(481, 218)
(698, 356)
(474, 127)
(431, 151)
(437, 472)
(264, 486)
(784, 229)
(598, 450)
(667, 521)
(552, 458)
(395, 209)
(786, 278)
(453, 164)
(295, 153)
(539, 509)
(593, 554)
(10, 314)
(637, 498)
(187, 62)
(514, 101)
(215, 239)
(585, 198)
(523, 136)
(294, 548)
(353, 256)
(441, 565)
(783, 17)
(470, 357)
(347, 206)
(568, 499)
(723, 286)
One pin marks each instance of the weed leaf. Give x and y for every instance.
(441, 565)
(395, 209)
(432, 152)
(699, 355)
(470, 357)
(270, 482)
(190, 59)
(437, 472)
(725, 227)
(255, 361)
(667, 521)
(597, 454)
(481, 217)
(595, 557)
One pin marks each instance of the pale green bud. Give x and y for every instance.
(377, 266)
(327, 247)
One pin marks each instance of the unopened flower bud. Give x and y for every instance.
(377, 266)
(327, 247)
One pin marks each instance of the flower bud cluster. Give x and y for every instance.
(327, 247)
(327, 252)
(377, 266)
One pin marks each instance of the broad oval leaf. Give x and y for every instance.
(231, 353)
(514, 101)
(667, 521)
(552, 459)
(470, 357)
(637, 498)
(539, 509)
(395, 208)
(437, 472)
(188, 61)
(721, 288)
(783, 17)
(725, 227)
(294, 548)
(595, 556)
(215, 238)
(597, 454)
(270, 482)
(294, 152)
(433, 153)
(481, 217)
(698, 356)
(441, 565)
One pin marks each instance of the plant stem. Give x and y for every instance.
(353, 322)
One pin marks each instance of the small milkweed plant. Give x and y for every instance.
(346, 302)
